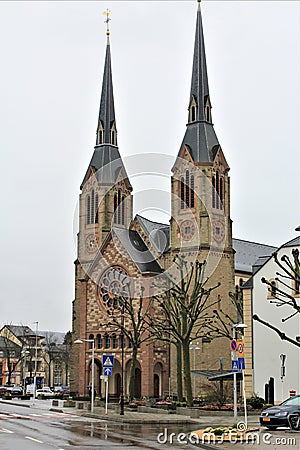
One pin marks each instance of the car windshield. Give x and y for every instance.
(292, 401)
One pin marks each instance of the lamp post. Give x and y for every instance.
(234, 329)
(25, 352)
(80, 341)
(35, 362)
(194, 347)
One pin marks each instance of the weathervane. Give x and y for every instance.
(108, 19)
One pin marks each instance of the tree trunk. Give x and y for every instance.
(179, 371)
(187, 372)
(132, 374)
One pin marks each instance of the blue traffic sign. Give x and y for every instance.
(107, 371)
(108, 360)
(241, 363)
(235, 366)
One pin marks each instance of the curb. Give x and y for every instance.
(9, 402)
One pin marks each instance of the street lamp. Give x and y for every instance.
(25, 353)
(234, 329)
(35, 362)
(80, 341)
(194, 347)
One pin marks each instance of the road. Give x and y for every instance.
(38, 428)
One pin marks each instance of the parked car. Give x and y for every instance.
(45, 392)
(61, 391)
(16, 392)
(6, 389)
(277, 416)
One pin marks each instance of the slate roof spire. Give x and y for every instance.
(106, 161)
(200, 137)
(199, 85)
(107, 109)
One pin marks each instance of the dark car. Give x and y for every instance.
(278, 416)
(16, 392)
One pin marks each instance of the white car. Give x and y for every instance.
(44, 392)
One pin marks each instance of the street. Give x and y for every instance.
(36, 427)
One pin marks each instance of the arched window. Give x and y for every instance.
(91, 337)
(106, 341)
(182, 192)
(93, 207)
(192, 191)
(119, 208)
(217, 191)
(217, 197)
(122, 341)
(193, 113)
(96, 208)
(207, 113)
(115, 207)
(213, 200)
(115, 341)
(88, 210)
(123, 210)
(99, 341)
(187, 194)
(221, 193)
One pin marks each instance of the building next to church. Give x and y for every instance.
(118, 252)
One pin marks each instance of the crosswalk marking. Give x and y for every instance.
(35, 440)
(5, 430)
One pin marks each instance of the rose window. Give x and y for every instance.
(113, 283)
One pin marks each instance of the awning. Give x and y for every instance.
(216, 375)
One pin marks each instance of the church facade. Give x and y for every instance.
(121, 253)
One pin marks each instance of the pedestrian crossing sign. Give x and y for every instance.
(235, 366)
(108, 360)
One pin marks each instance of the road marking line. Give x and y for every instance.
(4, 430)
(35, 440)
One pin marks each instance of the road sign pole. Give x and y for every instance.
(106, 395)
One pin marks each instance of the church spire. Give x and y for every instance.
(199, 97)
(106, 131)
(200, 137)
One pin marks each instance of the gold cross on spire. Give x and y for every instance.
(108, 19)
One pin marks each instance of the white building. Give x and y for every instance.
(263, 346)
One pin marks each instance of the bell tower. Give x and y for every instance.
(200, 182)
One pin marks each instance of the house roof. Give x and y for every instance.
(158, 233)
(247, 253)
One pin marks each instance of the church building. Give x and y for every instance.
(121, 253)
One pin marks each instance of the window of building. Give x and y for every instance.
(115, 341)
(272, 289)
(187, 193)
(106, 341)
(99, 341)
(96, 208)
(88, 210)
(91, 336)
(217, 191)
(119, 208)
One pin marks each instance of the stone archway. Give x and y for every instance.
(97, 380)
(157, 380)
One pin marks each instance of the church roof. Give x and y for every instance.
(137, 250)
(107, 107)
(158, 233)
(246, 252)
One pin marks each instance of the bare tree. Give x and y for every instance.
(286, 293)
(184, 313)
(132, 320)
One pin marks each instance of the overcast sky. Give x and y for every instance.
(52, 57)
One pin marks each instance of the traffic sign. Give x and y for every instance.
(108, 360)
(241, 363)
(240, 347)
(107, 371)
(235, 366)
(234, 356)
(233, 345)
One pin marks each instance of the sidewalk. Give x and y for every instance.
(214, 419)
